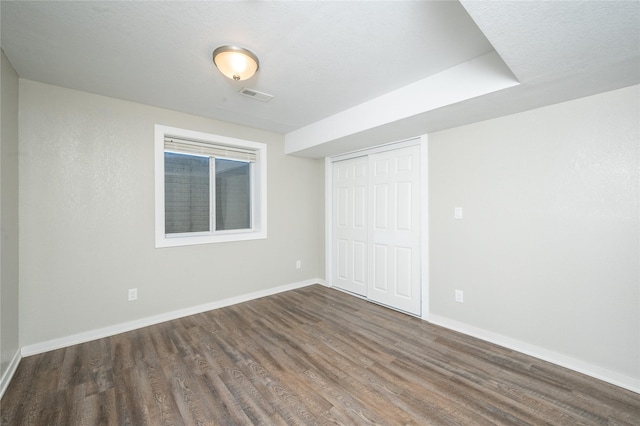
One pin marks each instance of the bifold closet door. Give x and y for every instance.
(394, 277)
(350, 199)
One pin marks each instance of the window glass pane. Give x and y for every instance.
(186, 193)
(233, 195)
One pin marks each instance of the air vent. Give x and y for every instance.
(254, 94)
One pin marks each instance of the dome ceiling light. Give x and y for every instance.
(235, 62)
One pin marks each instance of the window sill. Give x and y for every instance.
(189, 240)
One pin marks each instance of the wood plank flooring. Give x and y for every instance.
(308, 356)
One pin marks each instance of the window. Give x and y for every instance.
(209, 188)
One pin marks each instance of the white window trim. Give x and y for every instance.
(259, 190)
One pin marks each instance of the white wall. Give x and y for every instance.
(87, 218)
(548, 250)
(321, 236)
(9, 343)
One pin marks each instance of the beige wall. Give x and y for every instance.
(547, 253)
(87, 218)
(9, 343)
(548, 250)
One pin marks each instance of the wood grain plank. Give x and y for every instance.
(312, 356)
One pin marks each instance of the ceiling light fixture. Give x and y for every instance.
(235, 62)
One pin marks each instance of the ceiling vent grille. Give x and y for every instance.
(254, 94)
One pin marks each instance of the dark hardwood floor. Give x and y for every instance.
(308, 356)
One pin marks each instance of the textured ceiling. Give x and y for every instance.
(316, 58)
(321, 59)
(543, 40)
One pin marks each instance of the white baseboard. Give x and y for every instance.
(9, 372)
(627, 382)
(156, 319)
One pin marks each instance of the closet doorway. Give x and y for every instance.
(376, 225)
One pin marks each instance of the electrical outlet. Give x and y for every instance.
(298, 264)
(133, 294)
(459, 296)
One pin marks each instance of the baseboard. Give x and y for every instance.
(9, 372)
(156, 319)
(626, 382)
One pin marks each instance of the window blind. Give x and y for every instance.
(208, 150)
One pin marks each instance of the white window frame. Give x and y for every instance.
(258, 228)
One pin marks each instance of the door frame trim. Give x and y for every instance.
(423, 142)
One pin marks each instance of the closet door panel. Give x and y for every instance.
(394, 238)
(350, 203)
